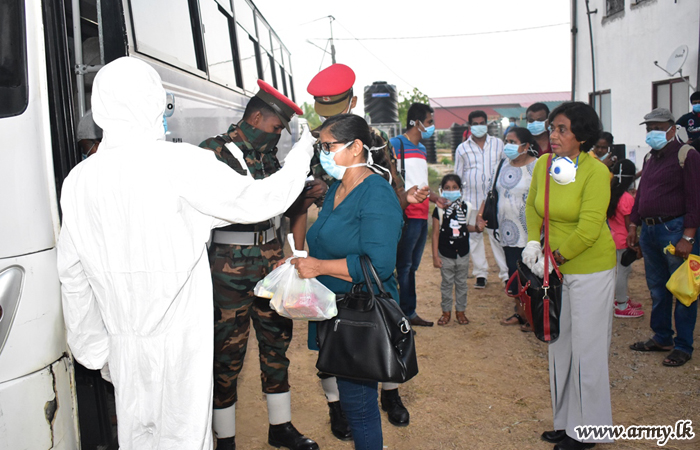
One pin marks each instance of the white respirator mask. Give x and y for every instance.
(563, 170)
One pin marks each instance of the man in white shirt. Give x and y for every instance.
(476, 160)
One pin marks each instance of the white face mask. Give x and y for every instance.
(563, 170)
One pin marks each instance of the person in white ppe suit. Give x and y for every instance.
(132, 257)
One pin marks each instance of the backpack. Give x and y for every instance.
(682, 154)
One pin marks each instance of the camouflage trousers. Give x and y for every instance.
(235, 270)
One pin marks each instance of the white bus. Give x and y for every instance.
(209, 54)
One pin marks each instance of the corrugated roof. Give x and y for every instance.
(515, 100)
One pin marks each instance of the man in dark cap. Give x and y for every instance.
(667, 207)
(240, 256)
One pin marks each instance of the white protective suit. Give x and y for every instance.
(132, 258)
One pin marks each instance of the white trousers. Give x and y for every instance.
(578, 360)
(477, 251)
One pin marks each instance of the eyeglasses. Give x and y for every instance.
(561, 129)
(325, 147)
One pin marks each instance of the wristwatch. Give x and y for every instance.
(689, 239)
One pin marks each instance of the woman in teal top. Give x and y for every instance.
(579, 193)
(361, 216)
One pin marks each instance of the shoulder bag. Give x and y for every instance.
(541, 298)
(370, 338)
(490, 213)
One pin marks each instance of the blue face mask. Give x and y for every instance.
(657, 139)
(428, 132)
(451, 196)
(329, 165)
(479, 130)
(511, 150)
(696, 108)
(536, 128)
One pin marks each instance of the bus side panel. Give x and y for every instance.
(38, 410)
(37, 333)
(25, 162)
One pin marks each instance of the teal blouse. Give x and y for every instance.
(368, 222)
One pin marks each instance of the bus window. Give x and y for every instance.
(267, 62)
(281, 83)
(247, 55)
(263, 34)
(217, 41)
(291, 89)
(244, 16)
(13, 59)
(158, 26)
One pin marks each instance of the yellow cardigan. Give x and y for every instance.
(577, 216)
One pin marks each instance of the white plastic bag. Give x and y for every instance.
(294, 297)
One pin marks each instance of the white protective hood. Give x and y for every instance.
(136, 284)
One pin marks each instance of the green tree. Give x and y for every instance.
(310, 115)
(407, 99)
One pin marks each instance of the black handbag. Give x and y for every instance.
(490, 212)
(540, 298)
(370, 339)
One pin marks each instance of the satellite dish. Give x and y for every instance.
(677, 59)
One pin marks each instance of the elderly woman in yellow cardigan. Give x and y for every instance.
(585, 252)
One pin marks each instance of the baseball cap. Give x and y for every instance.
(332, 89)
(658, 115)
(283, 106)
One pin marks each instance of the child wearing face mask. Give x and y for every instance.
(619, 210)
(450, 240)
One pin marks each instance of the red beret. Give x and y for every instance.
(330, 88)
(334, 80)
(283, 107)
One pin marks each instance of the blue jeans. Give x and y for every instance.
(361, 407)
(408, 257)
(659, 267)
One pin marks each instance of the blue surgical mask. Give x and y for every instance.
(428, 132)
(696, 108)
(536, 128)
(512, 150)
(604, 157)
(657, 139)
(451, 196)
(332, 168)
(479, 130)
(329, 165)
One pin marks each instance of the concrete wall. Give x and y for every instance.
(626, 45)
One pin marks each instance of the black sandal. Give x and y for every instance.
(676, 358)
(509, 320)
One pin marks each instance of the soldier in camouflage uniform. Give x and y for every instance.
(333, 95)
(240, 256)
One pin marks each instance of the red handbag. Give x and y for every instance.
(540, 298)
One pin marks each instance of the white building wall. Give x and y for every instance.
(626, 46)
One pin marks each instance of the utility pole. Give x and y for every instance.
(332, 46)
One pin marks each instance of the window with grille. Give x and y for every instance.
(614, 6)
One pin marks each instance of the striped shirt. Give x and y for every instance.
(416, 172)
(477, 166)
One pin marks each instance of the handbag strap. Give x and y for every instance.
(498, 171)
(548, 256)
(370, 274)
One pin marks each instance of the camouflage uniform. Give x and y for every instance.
(396, 181)
(235, 271)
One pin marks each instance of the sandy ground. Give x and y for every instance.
(484, 385)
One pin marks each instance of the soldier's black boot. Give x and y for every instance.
(285, 435)
(228, 443)
(392, 404)
(339, 424)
